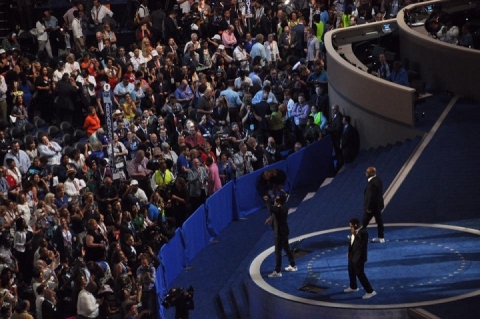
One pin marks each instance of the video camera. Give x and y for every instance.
(177, 297)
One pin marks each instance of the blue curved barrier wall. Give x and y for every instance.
(306, 168)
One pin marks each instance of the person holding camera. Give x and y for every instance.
(243, 160)
(146, 280)
(182, 300)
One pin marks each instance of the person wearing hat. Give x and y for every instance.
(3, 93)
(154, 63)
(221, 52)
(122, 88)
(135, 191)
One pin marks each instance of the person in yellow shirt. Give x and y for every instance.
(129, 107)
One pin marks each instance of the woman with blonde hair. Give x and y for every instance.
(146, 49)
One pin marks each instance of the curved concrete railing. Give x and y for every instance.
(441, 65)
(382, 111)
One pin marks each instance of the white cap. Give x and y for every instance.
(154, 53)
(221, 47)
(133, 182)
(216, 37)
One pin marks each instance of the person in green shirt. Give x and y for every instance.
(275, 123)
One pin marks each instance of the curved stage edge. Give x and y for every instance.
(419, 265)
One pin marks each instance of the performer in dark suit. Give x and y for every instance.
(287, 42)
(357, 257)
(278, 219)
(373, 202)
(335, 129)
(350, 141)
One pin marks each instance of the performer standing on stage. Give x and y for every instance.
(357, 257)
(373, 202)
(278, 219)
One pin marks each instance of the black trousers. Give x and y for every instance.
(281, 242)
(357, 270)
(367, 217)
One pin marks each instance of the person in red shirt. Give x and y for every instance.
(92, 122)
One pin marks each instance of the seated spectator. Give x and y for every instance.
(448, 33)
(399, 74)
(466, 39)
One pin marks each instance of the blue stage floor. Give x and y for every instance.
(417, 266)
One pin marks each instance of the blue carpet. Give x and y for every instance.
(417, 264)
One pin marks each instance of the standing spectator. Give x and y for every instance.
(271, 50)
(258, 50)
(21, 158)
(243, 160)
(99, 12)
(335, 129)
(214, 182)
(43, 37)
(350, 142)
(300, 114)
(87, 305)
(313, 47)
(49, 149)
(77, 31)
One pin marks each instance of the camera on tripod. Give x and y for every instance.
(177, 297)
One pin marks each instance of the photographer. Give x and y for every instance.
(243, 160)
(182, 300)
(146, 283)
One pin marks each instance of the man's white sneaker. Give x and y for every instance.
(348, 290)
(275, 274)
(369, 295)
(378, 240)
(290, 268)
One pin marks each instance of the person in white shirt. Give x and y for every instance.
(99, 12)
(137, 192)
(448, 33)
(42, 37)
(73, 186)
(184, 5)
(137, 59)
(87, 305)
(38, 301)
(241, 55)
(72, 67)
(88, 82)
(3, 95)
(143, 11)
(78, 33)
(271, 50)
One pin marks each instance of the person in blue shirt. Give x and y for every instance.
(122, 88)
(399, 75)
(233, 101)
(184, 94)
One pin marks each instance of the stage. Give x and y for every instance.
(419, 265)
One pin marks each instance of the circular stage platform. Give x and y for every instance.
(419, 265)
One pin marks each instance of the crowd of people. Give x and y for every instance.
(204, 96)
